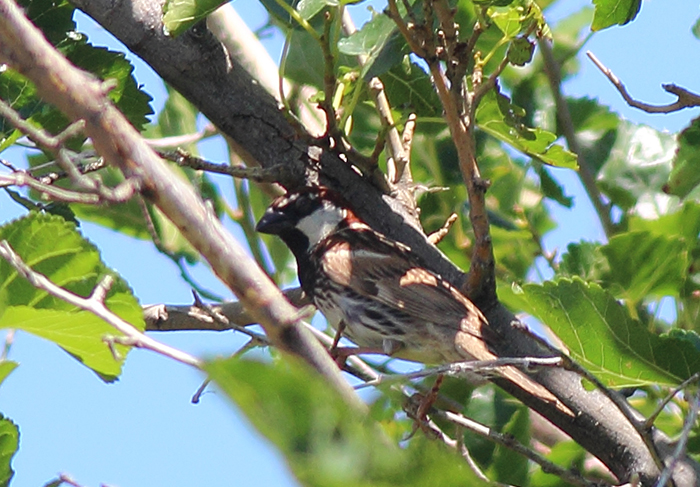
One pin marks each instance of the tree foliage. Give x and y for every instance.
(600, 299)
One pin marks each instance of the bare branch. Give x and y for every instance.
(55, 144)
(161, 317)
(279, 173)
(468, 369)
(662, 405)
(24, 48)
(686, 99)
(585, 172)
(665, 478)
(179, 140)
(480, 285)
(507, 441)
(439, 234)
(95, 305)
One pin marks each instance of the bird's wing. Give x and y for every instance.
(377, 269)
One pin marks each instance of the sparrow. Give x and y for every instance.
(377, 290)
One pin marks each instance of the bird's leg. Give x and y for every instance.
(336, 338)
(420, 413)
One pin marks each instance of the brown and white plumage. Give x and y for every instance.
(378, 289)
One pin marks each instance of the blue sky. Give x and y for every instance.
(143, 430)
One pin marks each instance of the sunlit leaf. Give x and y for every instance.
(683, 223)
(309, 8)
(53, 247)
(638, 168)
(600, 335)
(643, 264)
(584, 259)
(379, 42)
(496, 117)
(180, 15)
(6, 368)
(614, 12)
(55, 20)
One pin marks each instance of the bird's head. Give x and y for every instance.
(304, 218)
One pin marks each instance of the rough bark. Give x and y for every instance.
(198, 66)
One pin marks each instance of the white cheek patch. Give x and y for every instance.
(320, 223)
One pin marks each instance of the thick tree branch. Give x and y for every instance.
(81, 97)
(197, 66)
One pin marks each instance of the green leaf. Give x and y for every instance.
(380, 42)
(55, 20)
(279, 14)
(684, 223)
(567, 453)
(309, 8)
(133, 102)
(584, 259)
(53, 247)
(508, 466)
(614, 12)
(551, 188)
(600, 334)
(696, 28)
(520, 51)
(496, 116)
(409, 88)
(638, 168)
(6, 368)
(596, 130)
(304, 63)
(644, 264)
(325, 442)
(685, 175)
(180, 15)
(9, 443)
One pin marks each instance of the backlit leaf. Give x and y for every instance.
(52, 247)
(600, 334)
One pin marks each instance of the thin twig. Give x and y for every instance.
(458, 445)
(462, 369)
(398, 162)
(613, 396)
(665, 477)
(279, 173)
(64, 478)
(686, 99)
(55, 144)
(435, 237)
(180, 140)
(660, 407)
(585, 172)
(95, 305)
(22, 179)
(508, 441)
(480, 284)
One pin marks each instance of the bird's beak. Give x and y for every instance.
(273, 222)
